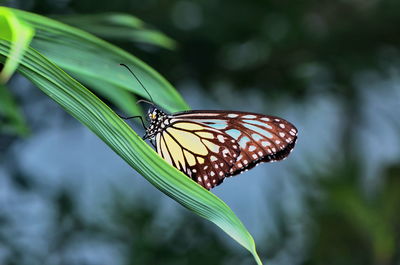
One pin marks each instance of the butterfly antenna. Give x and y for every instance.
(143, 100)
(138, 81)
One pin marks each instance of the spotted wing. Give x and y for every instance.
(261, 138)
(203, 153)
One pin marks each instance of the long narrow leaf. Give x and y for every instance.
(120, 97)
(85, 56)
(87, 108)
(118, 26)
(99, 118)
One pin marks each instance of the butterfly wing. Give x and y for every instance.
(261, 138)
(203, 153)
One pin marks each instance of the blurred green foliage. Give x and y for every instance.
(11, 120)
(352, 226)
(276, 46)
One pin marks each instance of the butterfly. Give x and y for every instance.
(209, 146)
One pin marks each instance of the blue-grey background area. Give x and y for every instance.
(66, 198)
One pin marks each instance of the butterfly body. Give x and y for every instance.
(209, 146)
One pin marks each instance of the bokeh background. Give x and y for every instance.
(330, 67)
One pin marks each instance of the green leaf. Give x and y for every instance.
(98, 117)
(96, 62)
(121, 98)
(120, 27)
(15, 31)
(73, 45)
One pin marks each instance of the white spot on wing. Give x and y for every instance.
(213, 158)
(221, 138)
(232, 115)
(225, 152)
(252, 148)
(249, 116)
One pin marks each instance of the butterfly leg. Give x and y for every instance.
(133, 117)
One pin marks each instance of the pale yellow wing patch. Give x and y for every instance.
(188, 126)
(206, 135)
(176, 152)
(198, 150)
(188, 140)
(200, 160)
(158, 143)
(190, 158)
(211, 146)
(164, 151)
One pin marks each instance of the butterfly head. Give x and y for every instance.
(158, 120)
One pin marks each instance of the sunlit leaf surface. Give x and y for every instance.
(15, 31)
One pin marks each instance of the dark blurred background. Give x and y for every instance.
(330, 67)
